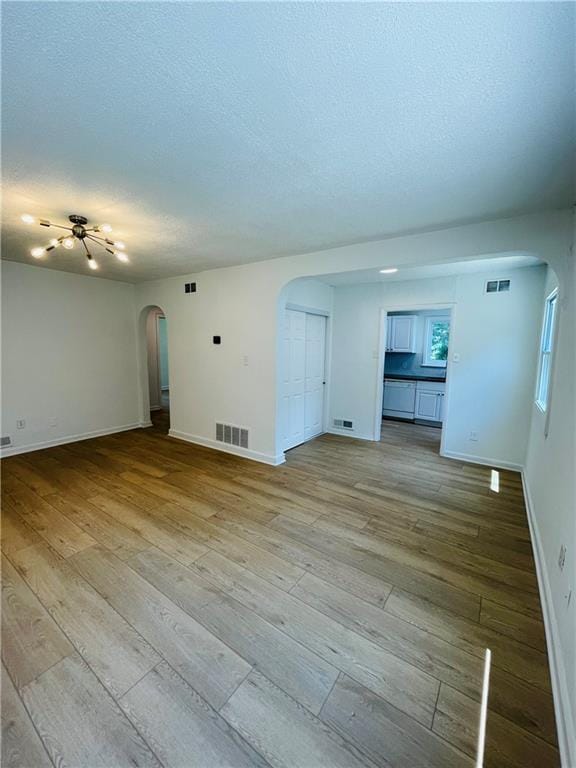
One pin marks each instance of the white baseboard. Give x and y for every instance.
(263, 458)
(349, 433)
(562, 704)
(155, 407)
(14, 450)
(472, 459)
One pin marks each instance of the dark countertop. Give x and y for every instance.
(412, 377)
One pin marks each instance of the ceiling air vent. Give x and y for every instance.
(343, 424)
(497, 286)
(232, 435)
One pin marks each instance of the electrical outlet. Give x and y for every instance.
(562, 557)
(20, 423)
(473, 436)
(52, 421)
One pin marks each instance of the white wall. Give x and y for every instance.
(68, 353)
(551, 489)
(495, 336)
(210, 383)
(308, 293)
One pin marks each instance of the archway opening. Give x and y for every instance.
(156, 378)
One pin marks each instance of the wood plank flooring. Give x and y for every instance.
(168, 605)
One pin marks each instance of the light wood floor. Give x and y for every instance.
(164, 604)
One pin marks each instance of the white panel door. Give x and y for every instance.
(304, 340)
(294, 377)
(314, 375)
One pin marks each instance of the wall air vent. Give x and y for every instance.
(5, 442)
(497, 286)
(189, 287)
(232, 435)
(343, 424)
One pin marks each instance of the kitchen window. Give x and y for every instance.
(546, 344)
(436, 338)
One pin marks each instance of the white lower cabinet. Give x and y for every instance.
(430, 401)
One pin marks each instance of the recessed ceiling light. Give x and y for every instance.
(389, 271)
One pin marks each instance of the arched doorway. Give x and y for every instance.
(155, 379)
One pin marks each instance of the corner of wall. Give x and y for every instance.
(562, 705)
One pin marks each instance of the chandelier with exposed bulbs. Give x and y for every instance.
(81, 233)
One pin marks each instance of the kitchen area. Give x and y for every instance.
(416, 357)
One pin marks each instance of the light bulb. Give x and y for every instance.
(27, 219)
(54, 242)
(68, 242)
(105, 228)
(37, 252)
(91, 263)
(388, 271)
(119, 244)
(121, 256)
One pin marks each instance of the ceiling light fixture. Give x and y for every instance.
(389, 271)
(79, 231)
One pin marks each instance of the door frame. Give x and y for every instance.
(327, 357)
(451, 307)
(158, 318)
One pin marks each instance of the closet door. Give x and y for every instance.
(293, 378)
(314, 375)
(304, 342)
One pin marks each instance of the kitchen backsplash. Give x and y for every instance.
(407, 363)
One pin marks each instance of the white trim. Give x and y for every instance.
(472, 459)
(561, 697)
(343, 432)
(263, 458)
(544, 406)
(17, 449)
(307, 310)
(155, 408)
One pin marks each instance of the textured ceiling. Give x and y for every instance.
(211, 134)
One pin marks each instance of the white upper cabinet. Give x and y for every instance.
(401, 333)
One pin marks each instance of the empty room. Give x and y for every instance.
(288, 424)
